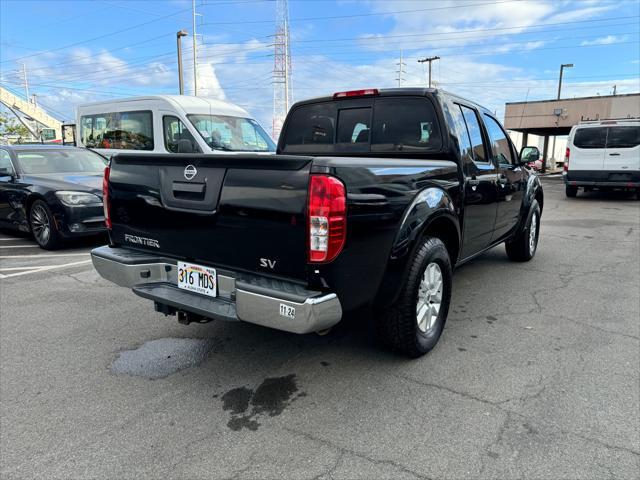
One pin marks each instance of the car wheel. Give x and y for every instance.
(414, 323)
(523, 246)
(43, 227)
(571, 191)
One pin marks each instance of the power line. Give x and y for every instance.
(357, 15)
(412, 35)
(96, 38)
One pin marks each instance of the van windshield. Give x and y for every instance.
(232, 134)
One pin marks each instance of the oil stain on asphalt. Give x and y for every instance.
(271, 397)
(163, 357)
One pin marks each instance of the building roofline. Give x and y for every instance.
(574, 99)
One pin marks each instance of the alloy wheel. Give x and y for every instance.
(429, 297)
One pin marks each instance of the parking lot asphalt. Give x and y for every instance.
(536, 375)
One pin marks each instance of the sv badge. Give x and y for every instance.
(266, 263)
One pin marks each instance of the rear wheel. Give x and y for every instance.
(414, 323)
(43, 227)
(523, 246)
(571, 191)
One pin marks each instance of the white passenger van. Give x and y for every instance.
(603, 154)
(169, 124)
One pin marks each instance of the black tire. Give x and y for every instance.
(523, 247)
(571, 191)
(43, 227)
(398, 326)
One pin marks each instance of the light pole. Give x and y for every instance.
(553, 148)
(562, 67)
(179, 35)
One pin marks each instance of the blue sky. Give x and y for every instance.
(491, 51)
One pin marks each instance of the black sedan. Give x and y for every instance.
(54, 192)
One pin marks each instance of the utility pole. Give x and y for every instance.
(429, 59)
(179, 35)
(195, 51)
(400, 70)
(26, 83)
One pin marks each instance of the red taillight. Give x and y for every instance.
(356, 93)
(326, 218)
(567, 154)
(105, 197)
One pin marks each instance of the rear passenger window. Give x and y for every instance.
(500, 146)
(623, 137)
(594, 137)
(311, 128)
(118, 130)
(174, 131)
(404, 124)
(475, 134)
(466, 152)
(354, 127)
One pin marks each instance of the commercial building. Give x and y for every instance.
(554, 118)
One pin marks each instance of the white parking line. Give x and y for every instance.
(19, 246)
(9, 239)
(7, 269)
(42, 269)
(45, 255)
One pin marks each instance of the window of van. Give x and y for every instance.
(174, 132)
(118, 130)
(233, 134)
(591, 137)
(623, 137)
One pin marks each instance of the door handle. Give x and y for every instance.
(614, 154)
(474, 182)
(502, 179)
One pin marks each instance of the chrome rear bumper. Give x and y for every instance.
(250, 298)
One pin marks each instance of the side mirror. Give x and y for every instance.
(529, 154)
(185, 146)
(6, 172)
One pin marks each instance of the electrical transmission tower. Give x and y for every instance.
(400, 71)
(282, 93)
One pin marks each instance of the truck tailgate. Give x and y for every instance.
(234, 211)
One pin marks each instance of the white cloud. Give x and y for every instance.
(609, 39)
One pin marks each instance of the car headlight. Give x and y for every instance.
(75, 199)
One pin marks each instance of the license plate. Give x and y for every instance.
(197, 279)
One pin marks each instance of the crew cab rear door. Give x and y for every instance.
(480, 180)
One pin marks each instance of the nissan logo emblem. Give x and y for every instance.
(190, 172)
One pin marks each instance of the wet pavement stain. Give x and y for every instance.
(163, 357)
(270, 398)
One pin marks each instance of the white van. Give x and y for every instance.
(603, 154)
(169, 124)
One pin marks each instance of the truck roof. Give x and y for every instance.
(399, 91)
(188, 103)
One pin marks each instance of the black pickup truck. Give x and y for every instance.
(372, 199)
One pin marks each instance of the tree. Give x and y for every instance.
(10, 127)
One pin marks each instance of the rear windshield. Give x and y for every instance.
(594, 137)
(607, 137)
(623, 137)
(60, 161)
(393, 124)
